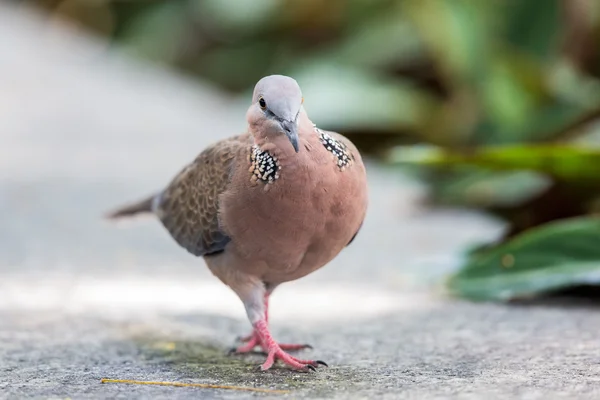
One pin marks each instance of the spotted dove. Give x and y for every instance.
(266, 207)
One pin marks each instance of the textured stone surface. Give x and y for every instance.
(81, 300)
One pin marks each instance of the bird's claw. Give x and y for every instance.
(295, 363)
(306, 368)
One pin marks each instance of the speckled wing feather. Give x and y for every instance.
(189, 206)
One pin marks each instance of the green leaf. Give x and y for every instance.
(511, 93)
(534, 31)
(233, 18)
(486, 189)
(565, 162)
(458, 33)
(381, 41)
(340, 97)
(157, 32)
(554, 256)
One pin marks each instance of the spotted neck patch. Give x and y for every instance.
(342, 156)
(265, 167)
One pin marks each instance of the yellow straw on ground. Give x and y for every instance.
(198, 385)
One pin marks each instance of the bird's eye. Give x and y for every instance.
(262, 103)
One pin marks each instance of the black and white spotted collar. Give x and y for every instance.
(343, 157)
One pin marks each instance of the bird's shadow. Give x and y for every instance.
(207, 357)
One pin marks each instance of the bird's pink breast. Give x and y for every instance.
(301, 223)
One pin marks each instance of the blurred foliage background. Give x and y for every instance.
(492, 103)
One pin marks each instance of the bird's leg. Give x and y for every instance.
(253, 335)
(255, 297)
(275, 352)
(284, 346)
(253, 339)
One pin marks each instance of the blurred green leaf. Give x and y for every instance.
(571, 86)
(486, 189)
(553, 256)
(379, 41)
(341, 97)
(222, 65)
(236, 17)
(533, 29)
(512, 93)
(459, 34)
(565, 162)
(157, 32)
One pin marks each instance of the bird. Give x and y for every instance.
(266, 207)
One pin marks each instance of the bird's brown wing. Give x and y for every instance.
(189, 206)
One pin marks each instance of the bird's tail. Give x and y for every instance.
(144, 206)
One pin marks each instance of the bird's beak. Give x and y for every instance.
(291, 131)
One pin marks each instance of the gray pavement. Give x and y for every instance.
(83, 130)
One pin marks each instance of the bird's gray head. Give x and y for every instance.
(276, 105)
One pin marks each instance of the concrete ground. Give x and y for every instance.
(81, 300)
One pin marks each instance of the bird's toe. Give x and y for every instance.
(294, 347)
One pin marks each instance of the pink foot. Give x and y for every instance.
(294, 347)
(275, 351)
(252, 341)
(262, 337)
